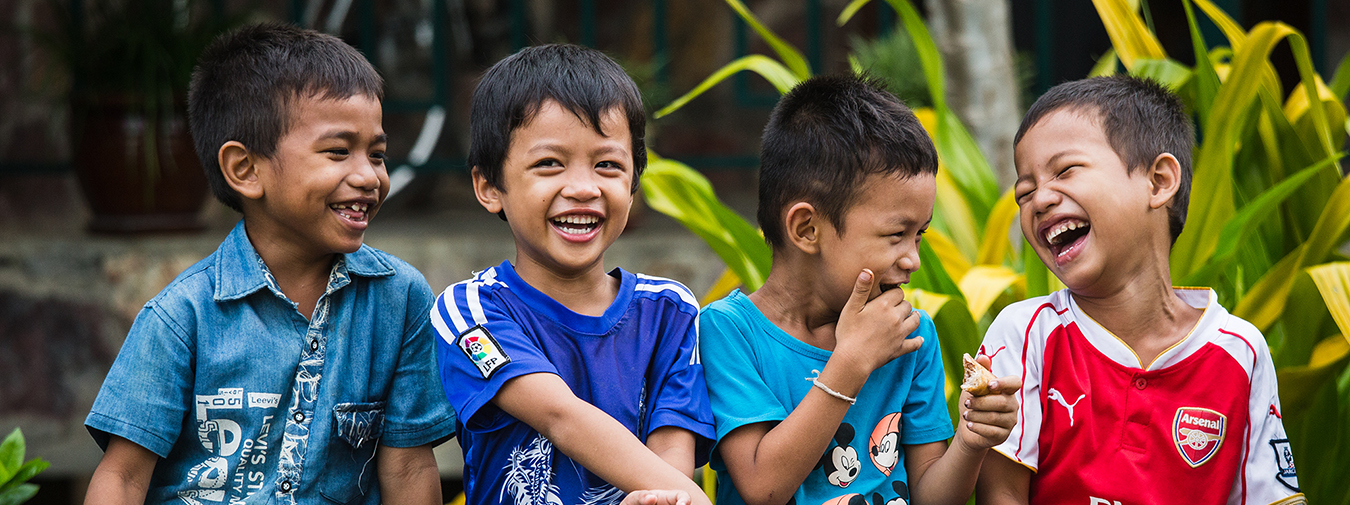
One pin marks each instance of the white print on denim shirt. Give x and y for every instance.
(529, 475)
(224, 438)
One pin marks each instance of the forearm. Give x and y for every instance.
(1002, 481)
(949, 479)
(675, 446)
(590, 436)
(785, 455)
(584, 436)
(408, 475)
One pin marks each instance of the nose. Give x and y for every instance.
(1042, 199)
(366, 175)
(909, 262)
(582, 184)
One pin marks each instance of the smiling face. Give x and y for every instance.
(326, 180)
(566, 189)
(881, 232)
(1084, 213)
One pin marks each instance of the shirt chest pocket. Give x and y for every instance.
(356, 432)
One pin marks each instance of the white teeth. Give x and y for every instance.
(358, 207)
(1053, 234)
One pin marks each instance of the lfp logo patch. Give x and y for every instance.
(483, 350)
(1198, 433)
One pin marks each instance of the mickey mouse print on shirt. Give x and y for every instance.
(840, 461)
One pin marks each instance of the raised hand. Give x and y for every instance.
(874, 332)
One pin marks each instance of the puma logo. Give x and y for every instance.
(1056, 396)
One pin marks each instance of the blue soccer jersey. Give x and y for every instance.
(638, 362)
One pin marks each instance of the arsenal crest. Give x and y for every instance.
(1198, 433)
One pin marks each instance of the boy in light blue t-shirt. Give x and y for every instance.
(826, 387)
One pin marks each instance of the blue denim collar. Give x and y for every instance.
(240, 271)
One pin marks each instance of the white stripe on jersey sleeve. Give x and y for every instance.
(445, 304)
(653, 284)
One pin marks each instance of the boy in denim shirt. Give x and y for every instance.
(294, 364)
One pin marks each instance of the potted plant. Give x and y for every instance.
(130, 62)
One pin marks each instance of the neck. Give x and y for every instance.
(792, 301)
(301, 277)
(588, 291)
(1144, 312)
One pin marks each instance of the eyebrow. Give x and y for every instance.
(351, 136)
(1051, 161)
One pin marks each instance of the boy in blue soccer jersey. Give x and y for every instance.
(294, 364)
(826, 386)
(573, 384)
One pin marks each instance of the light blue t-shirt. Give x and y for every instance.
(245, 400)
(756, 372)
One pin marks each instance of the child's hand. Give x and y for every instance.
(657, 497)
(987, 420)
(874, 332)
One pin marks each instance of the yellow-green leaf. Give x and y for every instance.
(792, 58)
(983, 284)
(779, 76)
(722, 287)
(951, 257)
(995, 244)
(1231, 29)
(1129, 35)
(1299, 383)
(1106, 65)
(1333, 281)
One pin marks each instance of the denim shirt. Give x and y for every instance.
(245, 400)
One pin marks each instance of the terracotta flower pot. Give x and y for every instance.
(128, 190)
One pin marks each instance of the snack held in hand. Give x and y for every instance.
(977, 377)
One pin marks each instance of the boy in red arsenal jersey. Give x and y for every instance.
(1134, 392)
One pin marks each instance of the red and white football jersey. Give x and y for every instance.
(1199, 425)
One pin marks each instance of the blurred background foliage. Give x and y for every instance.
(1269, 204)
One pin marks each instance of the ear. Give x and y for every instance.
(1164, 180)
(802, 223)
(240, 168)
(489, 196)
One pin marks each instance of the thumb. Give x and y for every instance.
(862, 288)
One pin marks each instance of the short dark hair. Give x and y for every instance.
(246, 81)
(828, 134)
(1141, 119)
(582, 80)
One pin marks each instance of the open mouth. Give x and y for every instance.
(576, 226)
(352, 211)
(1066, 237)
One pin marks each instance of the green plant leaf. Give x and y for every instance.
(18, 494)
(1129, 35)
(962, 156)
(1036, 274)
(1333, 282)
(1105, 65)
(929, 56)
(957, 334)
(985, 283)
(11, 454)
(792, 58)
(674, 189)
(1209, 210)
(932, 276)
(1166, 71)
(1340, 82)
(1299, 383)
(779, 76)
(26, 472)
(1231, 29)
(1237, 229)
(995, 245)
(1205, 78)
